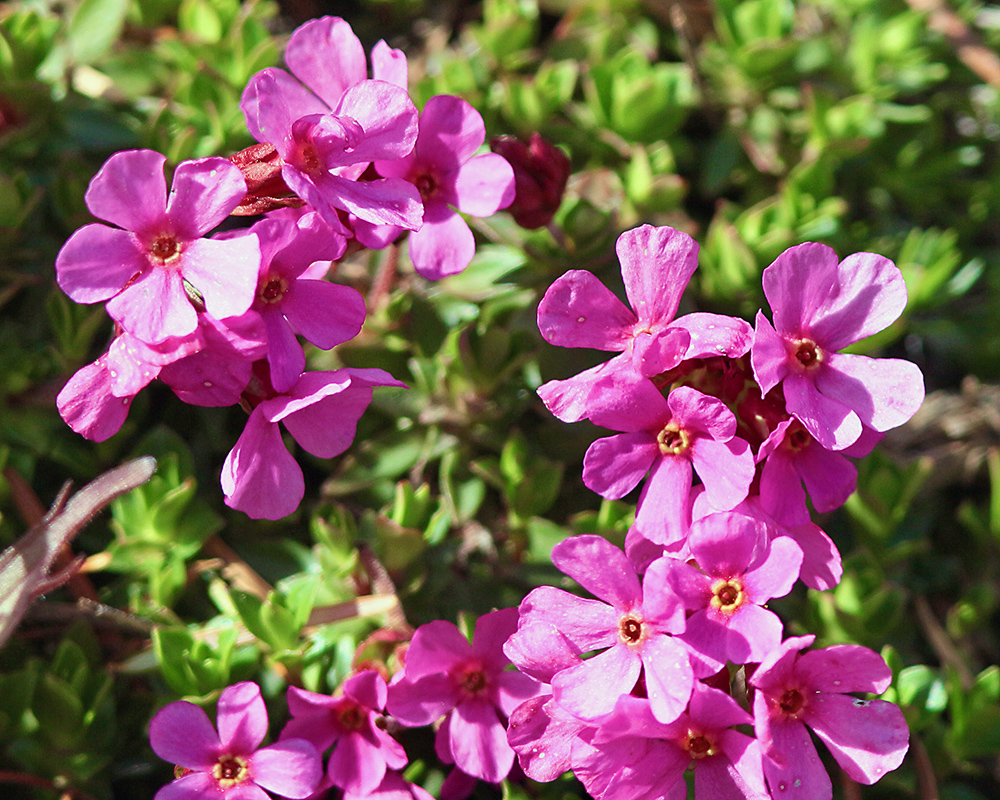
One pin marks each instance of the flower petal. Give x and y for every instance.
(478, 741)
(444, 245)
(242, 718)
(130, 191)
(451, 130)
(484, 184)
(182, 734)
(657, 264)
(883, 392)
(97, 262)
(203, 193)
(600, 568)
(291, 768)
(578, 310)
(591, 688)
(327, 56)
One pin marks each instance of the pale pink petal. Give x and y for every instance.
(227, 292)
(242, 718)
(543, 743)
(696, 411)
(388, 201)
(307, 305)
(569, 399)
(775, 576)
(196, 786)
(656, 352)
(792, 765)
(669, 679)
(327, 428)
(389, 64)
(725, 543)
(356, 765)
(715, 335)
(829, 477)
(388, 117)
(451, 130)
(628, 404)
(801, 280)
(726, 469)
(778, 670)
(781, 492)
(284, 353)
(768, 355)
(830, 422)
(478, 741)
(883, 392)
(130, 191)
(586, 624)
(203, 193)
(539, 650)
(491, 631)
(483, 185)
(260, 477)
(738, 774)
(513, 689)
(600, 568)
(88, 406)
(155, 307)
(327, 56)
(845, 668)
(437, 646)
(664, 511)
(291, 768)
(868, 738)
(182, 734)
(580, 311)
(272, 101)
(591, 688)
(753, 632)
(821, 564)
(869, 295)
(96, 263)
(423, 701)
(657, 264)
(613, 466)
(444, 245)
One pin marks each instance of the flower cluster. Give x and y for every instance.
(218, 316)
(639, 679)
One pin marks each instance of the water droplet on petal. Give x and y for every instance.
(581, 319)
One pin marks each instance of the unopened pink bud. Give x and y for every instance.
(540, 173)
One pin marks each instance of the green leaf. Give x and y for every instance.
(94, 27)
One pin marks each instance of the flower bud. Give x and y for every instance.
(540, 174)
(266, 189)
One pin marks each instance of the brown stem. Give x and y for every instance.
(385, 278)
(32, 511)
(26, 779)
(970, 49)
(926, 782)
(381, 583)
(849, 787)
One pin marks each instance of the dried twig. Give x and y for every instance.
(969, 47)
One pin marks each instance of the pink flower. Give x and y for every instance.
(141, 266)
(447, 173)
(445, 674)
(821, 307)
(791, 458)
(231, 765)
(632, 628)
(292, 296)
(634, 756)
(321, 411)
(350, 722)
(738, 570)
(868, 738)
(670, 438)
(329, 130)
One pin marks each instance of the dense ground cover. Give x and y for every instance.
(750, 126)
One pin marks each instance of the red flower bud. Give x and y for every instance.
(266, 189)
(540, 174)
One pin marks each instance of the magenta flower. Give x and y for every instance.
(738, 570)
(140, 267)
(634, 756)
(230, 764)
(393, 787)
(447, 173)
(791, 458)
(580, 311)
(633, 626)
(868, 738)
(321, 411)
(670, 438)
(292, 296)
(330, 129)
(362, 750)
(445, 674)
(821, 307)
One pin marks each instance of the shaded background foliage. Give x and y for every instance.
(753, 125)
